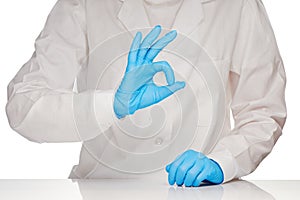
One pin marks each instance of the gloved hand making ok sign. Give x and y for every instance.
(137, 89)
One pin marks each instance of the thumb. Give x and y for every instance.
(176, 86)
(165, 91)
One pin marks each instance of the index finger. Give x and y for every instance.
(135, 47)
(158, 46)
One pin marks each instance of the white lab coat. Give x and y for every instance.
(56, 98)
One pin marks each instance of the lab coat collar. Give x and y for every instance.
(133, 15)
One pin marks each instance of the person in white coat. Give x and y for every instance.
(226, 54)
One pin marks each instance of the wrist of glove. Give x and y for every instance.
(123, 104)
(192, 168)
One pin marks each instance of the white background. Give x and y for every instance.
(21, 22)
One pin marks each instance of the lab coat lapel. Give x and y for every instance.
(190, 16)
(133, 15)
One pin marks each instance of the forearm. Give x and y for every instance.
(60, 117)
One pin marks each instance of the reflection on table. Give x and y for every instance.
(141, 189)
(131, 189)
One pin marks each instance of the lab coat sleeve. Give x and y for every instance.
(258, 103)
(42, 105)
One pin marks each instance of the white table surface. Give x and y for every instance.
(138, 189)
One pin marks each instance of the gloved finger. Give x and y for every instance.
(216, 176)
(168, 167)
(165, 91)
(132, 56)
(158, 46)
(173, 169)
(183, 169)
(193, 173)
(147, 43)
(179, 156)
(202, 176)
(166, 68)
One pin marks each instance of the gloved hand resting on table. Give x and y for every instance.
(137, 89)
(191, 168)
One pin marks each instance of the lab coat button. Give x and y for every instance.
(159, 141)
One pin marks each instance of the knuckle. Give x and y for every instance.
(190, 174)
(181, 169)
(190, 152)
(167, 66)
(175, 166)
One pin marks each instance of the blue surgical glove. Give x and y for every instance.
(137, 89)
(191, 168)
